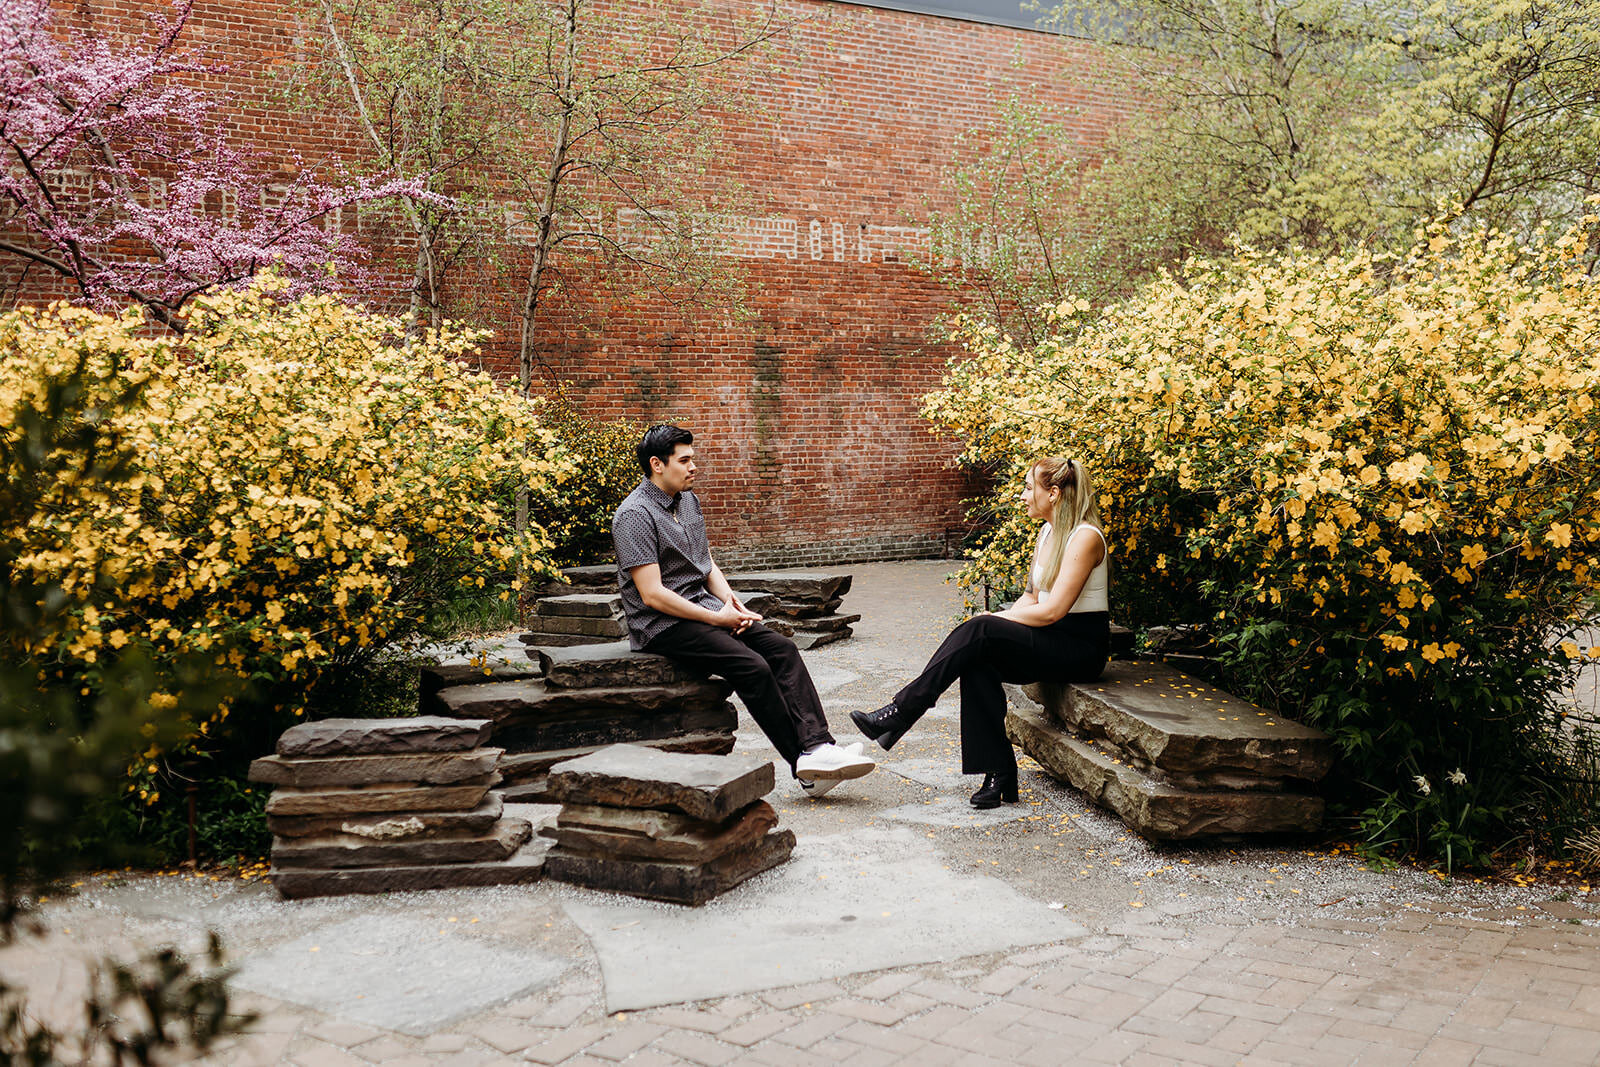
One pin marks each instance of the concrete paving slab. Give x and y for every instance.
(956, 812)
(841, 905)
(941, 774)
(396, 973)
(828, 678)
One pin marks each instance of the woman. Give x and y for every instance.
(1058, 630)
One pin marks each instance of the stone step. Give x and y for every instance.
(431, 768)
(607, 665)
(821, 624)
(1151, 808)
(373, 737)
(597, 578)
(678, 883)
(632, 776)
(436, 676)
(535, 699)
(551, 639)
(811, 586)
(643, 834)
(582, 605)
(800, 610)
(405, 826)
(522, 768)
(329, 851)
(804, 639)
(757, 601)
(595, 627)
(381, 798)
(1161, 718)
(597, 730)
(525, 867)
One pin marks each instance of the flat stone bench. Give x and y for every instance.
(1173, 757)
(588, 697)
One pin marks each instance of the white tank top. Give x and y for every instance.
(1095, 594)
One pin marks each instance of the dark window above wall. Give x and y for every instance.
(1024, 14)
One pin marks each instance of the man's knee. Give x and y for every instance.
(748, 668)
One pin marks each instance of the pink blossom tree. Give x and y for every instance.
(117, 178)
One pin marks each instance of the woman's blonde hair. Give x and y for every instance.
(1074, 507)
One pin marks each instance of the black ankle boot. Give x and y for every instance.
(997, 787)
(886, 725)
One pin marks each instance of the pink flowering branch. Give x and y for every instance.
(117, 177)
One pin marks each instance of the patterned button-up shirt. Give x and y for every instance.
(653, 527)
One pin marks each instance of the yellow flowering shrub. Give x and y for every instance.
(309, 487)
(1376, 479)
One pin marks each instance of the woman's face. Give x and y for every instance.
(1039, 502)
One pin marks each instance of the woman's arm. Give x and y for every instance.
(1084, 553)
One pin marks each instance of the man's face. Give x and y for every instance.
(677, 473)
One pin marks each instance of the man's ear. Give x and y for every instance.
(656, 466)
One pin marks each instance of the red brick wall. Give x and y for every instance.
(806, 415)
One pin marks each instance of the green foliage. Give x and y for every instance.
(63, 751)
(159, 1009)
(1376, 479)
(1317, 124)
(577, 516)
(306, 488)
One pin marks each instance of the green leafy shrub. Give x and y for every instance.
(64, 751)
(576, 516)
(1376, 479)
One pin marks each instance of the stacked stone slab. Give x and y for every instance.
(373, 805)
(582, 608)
(497, 659)
(587, 609)
(663, 825)
(1173, 757)
(588, 697)
(575, 619)
(805, 604)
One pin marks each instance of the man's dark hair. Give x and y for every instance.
(661, 441)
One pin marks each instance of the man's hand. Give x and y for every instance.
(735, 616)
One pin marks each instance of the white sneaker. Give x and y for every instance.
(819, 787)
(829, 761)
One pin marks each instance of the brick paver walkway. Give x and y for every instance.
(1409, 989)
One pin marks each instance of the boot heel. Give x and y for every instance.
(996, 790)
(886, 725)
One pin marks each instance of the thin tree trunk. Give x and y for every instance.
(547, 207)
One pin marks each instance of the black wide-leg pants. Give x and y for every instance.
(987, 650)
(766, 671)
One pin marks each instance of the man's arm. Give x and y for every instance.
(657, 596)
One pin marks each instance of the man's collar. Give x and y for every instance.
(659, 495)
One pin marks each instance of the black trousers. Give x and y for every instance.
(987, 650)
(766, 671)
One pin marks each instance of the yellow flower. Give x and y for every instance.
(1559, 534)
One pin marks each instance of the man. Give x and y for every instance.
(679, 605)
